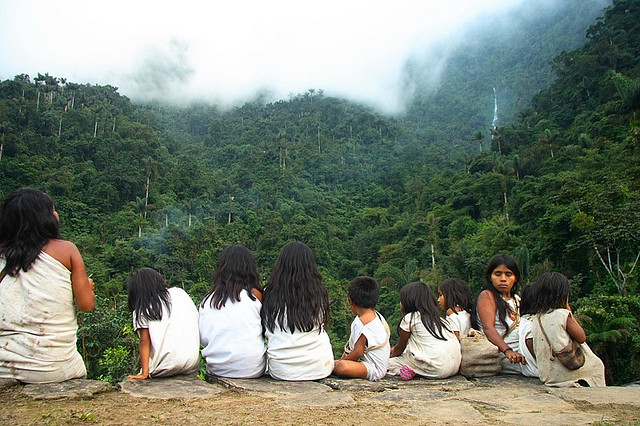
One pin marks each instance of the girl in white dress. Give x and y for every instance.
(230, 324)
(455, 300)
(552, 302)
(166, 320)
(295, 311)
(426, 345)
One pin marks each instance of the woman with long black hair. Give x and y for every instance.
(41, 276)
(498, 310)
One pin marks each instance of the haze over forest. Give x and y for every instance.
(371, 52)
(388, 160)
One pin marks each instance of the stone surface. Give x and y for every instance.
(451, 412)
(500, 400)
(8, 383)
(178, 387)
(310, 394)
(395, 382)
(76, 388)
(614, 395)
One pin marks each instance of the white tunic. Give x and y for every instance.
(530, 369)
(553, 373)
(376, 355)
(460, 322)
(301, 355)
(425, 354)
(175, 342)
(231, 338)
(38, 324)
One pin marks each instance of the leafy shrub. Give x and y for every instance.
(612, 324)
(106, 339)
(116, 363)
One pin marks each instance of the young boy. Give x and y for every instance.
(366, 355)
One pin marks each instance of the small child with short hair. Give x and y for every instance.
(366, 354)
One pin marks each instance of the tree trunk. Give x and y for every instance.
(146, 198)
(433, 257)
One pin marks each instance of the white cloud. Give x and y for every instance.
(226, 51)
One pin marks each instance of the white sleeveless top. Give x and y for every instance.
(38, 324)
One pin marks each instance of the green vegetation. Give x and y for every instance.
(168, 187)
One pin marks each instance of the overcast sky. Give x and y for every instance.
(226, 51)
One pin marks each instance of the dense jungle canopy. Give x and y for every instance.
(428, 195)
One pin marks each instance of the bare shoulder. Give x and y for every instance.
(486, 296)
(61, 250)
(61, 246)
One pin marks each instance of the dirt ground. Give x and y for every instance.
(232, 407)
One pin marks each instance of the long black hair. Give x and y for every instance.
(147, 291)
(418, 297)
(528, 299)
(237, 270)
(295, 297)
(501, 304)
(27, 223)
(456, 293)
(552, 292)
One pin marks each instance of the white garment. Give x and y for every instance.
(38, 324)
(530, 369)
(553, 373)
(231, 338)
(301, 355)
(377, 359)
(512, 339)
(460, 322)
(175, 342)
(425, 354)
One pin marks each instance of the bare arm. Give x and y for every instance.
(357, 351)
(81, 284)
(68, 254)
(575, 330)
(487, 309)
(145, 351)
(257, 293)
(529, 343)
(399, 347)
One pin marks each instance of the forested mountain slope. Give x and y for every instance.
(169, 187)
(510, 53)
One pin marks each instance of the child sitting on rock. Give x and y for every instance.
(166, 320)
(426, 345)
(366, 354)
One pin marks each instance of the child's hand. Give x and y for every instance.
(138, 377)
